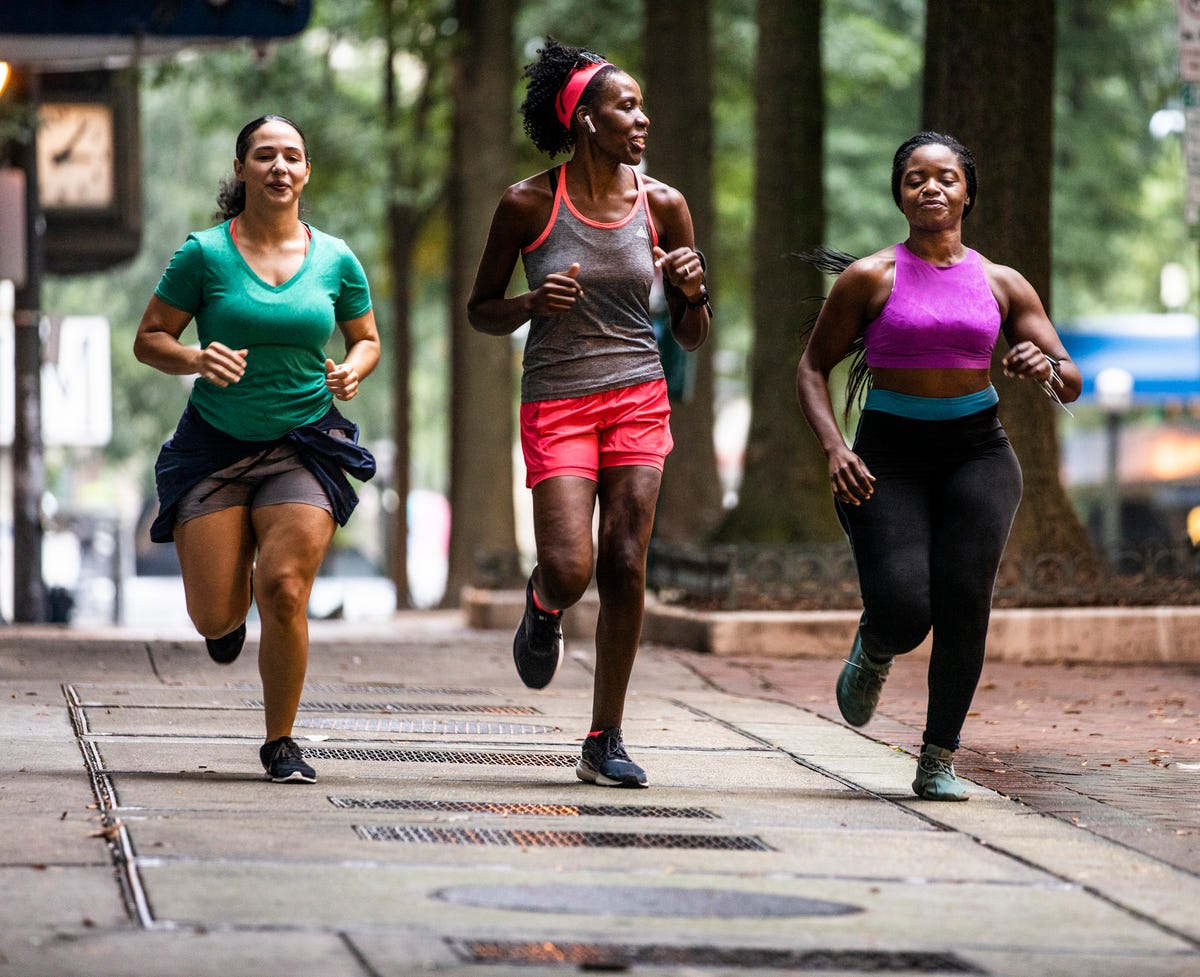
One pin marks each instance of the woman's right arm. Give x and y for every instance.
(157, 344)
(488, 308)
(839, 324)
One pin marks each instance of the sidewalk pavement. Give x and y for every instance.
(448, 833)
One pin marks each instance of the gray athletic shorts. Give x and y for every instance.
(270, 477)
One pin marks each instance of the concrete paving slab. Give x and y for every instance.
(68, 838)
(69, 899)
(401, 867)
(267, 895)
(194, 952)
(1111, 961)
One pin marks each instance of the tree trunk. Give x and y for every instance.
(415, 186)
(679, 93)
(989, 82)
(483, 548)
(400, 340)
(785, 495)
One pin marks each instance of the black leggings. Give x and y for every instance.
(928, 545)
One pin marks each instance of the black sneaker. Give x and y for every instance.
(538, 643)
(605, 762)
(283, 762)
(225, 649)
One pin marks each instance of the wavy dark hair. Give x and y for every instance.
(966, 159)
(231, 195)
(547, 75)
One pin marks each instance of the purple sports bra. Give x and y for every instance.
(935, 318)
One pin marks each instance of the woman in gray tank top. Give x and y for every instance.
(592, 234)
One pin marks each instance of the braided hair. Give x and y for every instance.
(858, 381)
(547, 75)
(231, 194)
(966, 159)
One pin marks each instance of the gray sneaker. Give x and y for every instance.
(935, 779)
(859, 684)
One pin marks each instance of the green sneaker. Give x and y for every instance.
(935, 776)
(859, 685)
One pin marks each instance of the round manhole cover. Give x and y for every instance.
(642, 901)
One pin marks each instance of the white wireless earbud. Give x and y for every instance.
(587, 121)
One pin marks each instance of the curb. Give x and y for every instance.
(1079, 635)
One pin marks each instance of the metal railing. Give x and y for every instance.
(823, 577)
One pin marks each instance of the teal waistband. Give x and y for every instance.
(930, 408)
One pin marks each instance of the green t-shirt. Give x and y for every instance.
(284, 328)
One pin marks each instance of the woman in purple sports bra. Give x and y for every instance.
(595, 428)
(928, 492)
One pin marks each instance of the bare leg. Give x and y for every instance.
(628, 496)
(562, 527)
(216, 554)
(292, 540)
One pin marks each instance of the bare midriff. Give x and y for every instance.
(930, 382)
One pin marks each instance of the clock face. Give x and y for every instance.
(75, 156)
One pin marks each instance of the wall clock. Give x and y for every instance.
(75, 146)
(88, 161)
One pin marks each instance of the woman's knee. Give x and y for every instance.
(562, 580)
(622, 569)
(897, 624)
(282, 594)
(212, 621)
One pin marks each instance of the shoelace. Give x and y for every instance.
(864, 676)
(614, 748)
(935, 765)
(224, 481)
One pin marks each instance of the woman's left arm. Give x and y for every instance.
(1035, 350)
(362, 355)
(676, 256)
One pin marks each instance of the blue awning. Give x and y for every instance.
(1161, 352)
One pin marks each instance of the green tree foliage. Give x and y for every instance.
(1118, 191)
(872, 54)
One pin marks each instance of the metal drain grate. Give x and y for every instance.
(510, 838)
(617, 956)
(366, 689)
(310, 705)
(439, 756)
(362, 724)
(524, 809)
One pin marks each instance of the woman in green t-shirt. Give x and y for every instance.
(253, 481)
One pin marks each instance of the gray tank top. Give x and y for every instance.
(606, 340)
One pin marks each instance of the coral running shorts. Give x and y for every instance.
(581, 435)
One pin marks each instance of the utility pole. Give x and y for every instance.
(29, 464)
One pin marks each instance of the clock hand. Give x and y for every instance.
(64, 154)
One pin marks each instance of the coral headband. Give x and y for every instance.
(569, 94)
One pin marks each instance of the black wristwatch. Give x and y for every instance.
(699, 300)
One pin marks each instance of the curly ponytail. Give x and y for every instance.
(547, 75)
